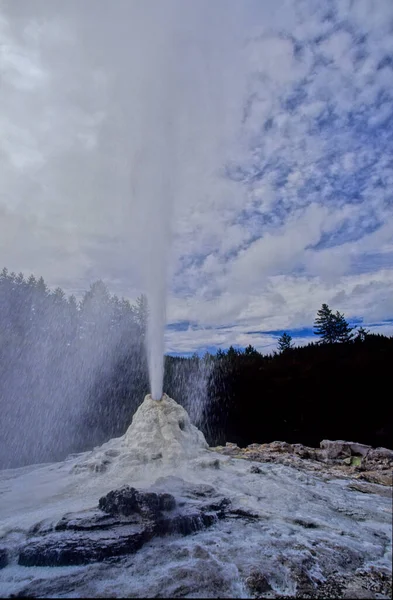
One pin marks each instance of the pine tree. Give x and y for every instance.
(324, 324)
(331, 327)
(342, 329)
(58, 296)
(285, 342)
(362, 334)
(20, 279)
(73, 303)
(42, 288)
(232, 353)
(250, 351)
(32, 282)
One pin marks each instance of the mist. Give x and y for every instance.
(123, 118)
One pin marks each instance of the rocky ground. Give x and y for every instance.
(268, 521)
(99, 545)
(333, 459)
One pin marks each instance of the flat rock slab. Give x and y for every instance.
(65, 549)
(125, 521)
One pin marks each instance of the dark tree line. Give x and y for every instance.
(56, 359)
(336, 388)
(304, 394)
(73, 373)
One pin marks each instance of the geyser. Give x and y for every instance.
(161, 436)
(155, 338)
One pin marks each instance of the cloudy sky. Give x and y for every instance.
(249, 143)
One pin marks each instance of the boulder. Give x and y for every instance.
(334, 449)
(126, 519)
(257, 582)
(377, 459)
(128, 500)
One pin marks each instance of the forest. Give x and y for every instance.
(73, 373)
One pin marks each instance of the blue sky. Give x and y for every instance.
(280, 159)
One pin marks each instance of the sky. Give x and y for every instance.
(243, 148)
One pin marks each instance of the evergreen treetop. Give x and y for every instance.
(332, 327)
(285, 342)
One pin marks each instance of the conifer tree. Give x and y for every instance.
(342, 329)
(324, 324)
(285, 342)
(232, 353)
(361, 334)
(250, 351)
(332, 327)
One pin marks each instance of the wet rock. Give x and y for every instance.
(376, 580)
(205, 579)
(127, 518)
(209, 464)
(3, 558)
(372, 583)
(184, 489)
(185, 524)
(167, 502)
(78, 549)
(218, 506)
(41, 528)
(256, 470)
(200, 490)
(241, 513)
(86, 521)
(306, 524)
(128, 500)
(370, 488)
(257, 582)
(200, 552)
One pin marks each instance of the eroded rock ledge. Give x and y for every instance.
(125, 520)
(336, 458)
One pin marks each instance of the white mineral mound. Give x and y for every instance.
(161, 438)
(161, 429)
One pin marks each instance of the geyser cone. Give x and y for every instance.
(161, 429)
